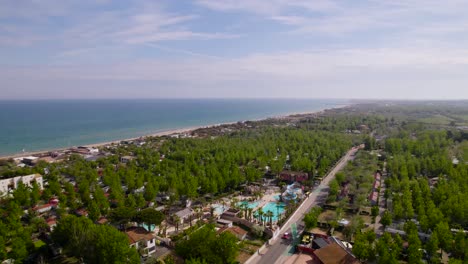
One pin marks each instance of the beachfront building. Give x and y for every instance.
(10, 184)
(126, 159)
(142, 240)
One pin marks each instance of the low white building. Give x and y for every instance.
(126, 159)
(184, 214)
(142, 240)
(10, 184)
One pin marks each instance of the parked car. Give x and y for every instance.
(286, 236)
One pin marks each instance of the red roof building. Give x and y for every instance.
(294, 176)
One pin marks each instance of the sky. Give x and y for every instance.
(399, 49)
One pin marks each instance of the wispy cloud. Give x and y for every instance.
(137, 24)
(336, 17)
(306, 66)
(268, 7)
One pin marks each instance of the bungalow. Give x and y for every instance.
(142, 240)
(126, 159)
(224, 222)
(31, 160)
(81, 212)
(80, 150)
(161, 198)
(374, 197)
(54, 201)
(90, 158)
(237, 231)
(184, 214)
(293, 176)
(232, 212)
(47, 159)
(52, 223)
(102, 221)
(42, 208)
(332, 254)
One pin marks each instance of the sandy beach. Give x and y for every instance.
(167, 133)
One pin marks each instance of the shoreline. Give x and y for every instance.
(169, 132)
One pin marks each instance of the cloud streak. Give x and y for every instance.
(139, 24)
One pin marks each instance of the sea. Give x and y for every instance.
(27, 126)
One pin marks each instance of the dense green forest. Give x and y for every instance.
(190, 167)
(426, 188)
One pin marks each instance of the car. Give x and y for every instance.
(286, 236)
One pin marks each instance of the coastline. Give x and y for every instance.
(170, 132)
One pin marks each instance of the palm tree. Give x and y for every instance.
(212, 211)
(223, 203)
(277, 210)
(235, 203)
(244, 208)
(177, 221)
(250, 210)
(260, 214)
(269, 214)
(199, 213)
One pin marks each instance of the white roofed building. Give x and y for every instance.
(10, 184)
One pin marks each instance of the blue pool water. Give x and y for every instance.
(276, 208)
(149, 228)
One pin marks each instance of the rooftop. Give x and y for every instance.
(184, 213)
(334, 254)
(136, 234)
(235, 230)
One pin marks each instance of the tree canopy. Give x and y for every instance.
(204, 245)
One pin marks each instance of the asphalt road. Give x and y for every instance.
(281, 249)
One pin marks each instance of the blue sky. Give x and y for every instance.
(413, 49)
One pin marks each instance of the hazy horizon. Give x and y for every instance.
(351, 100)
(114, 49)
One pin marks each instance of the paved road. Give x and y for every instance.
(280, 249)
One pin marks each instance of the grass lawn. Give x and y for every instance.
(437, 120)
(39, 243)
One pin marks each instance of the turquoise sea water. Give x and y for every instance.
(50, 124)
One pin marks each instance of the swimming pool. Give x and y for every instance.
(149, 228)
(276, 208)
